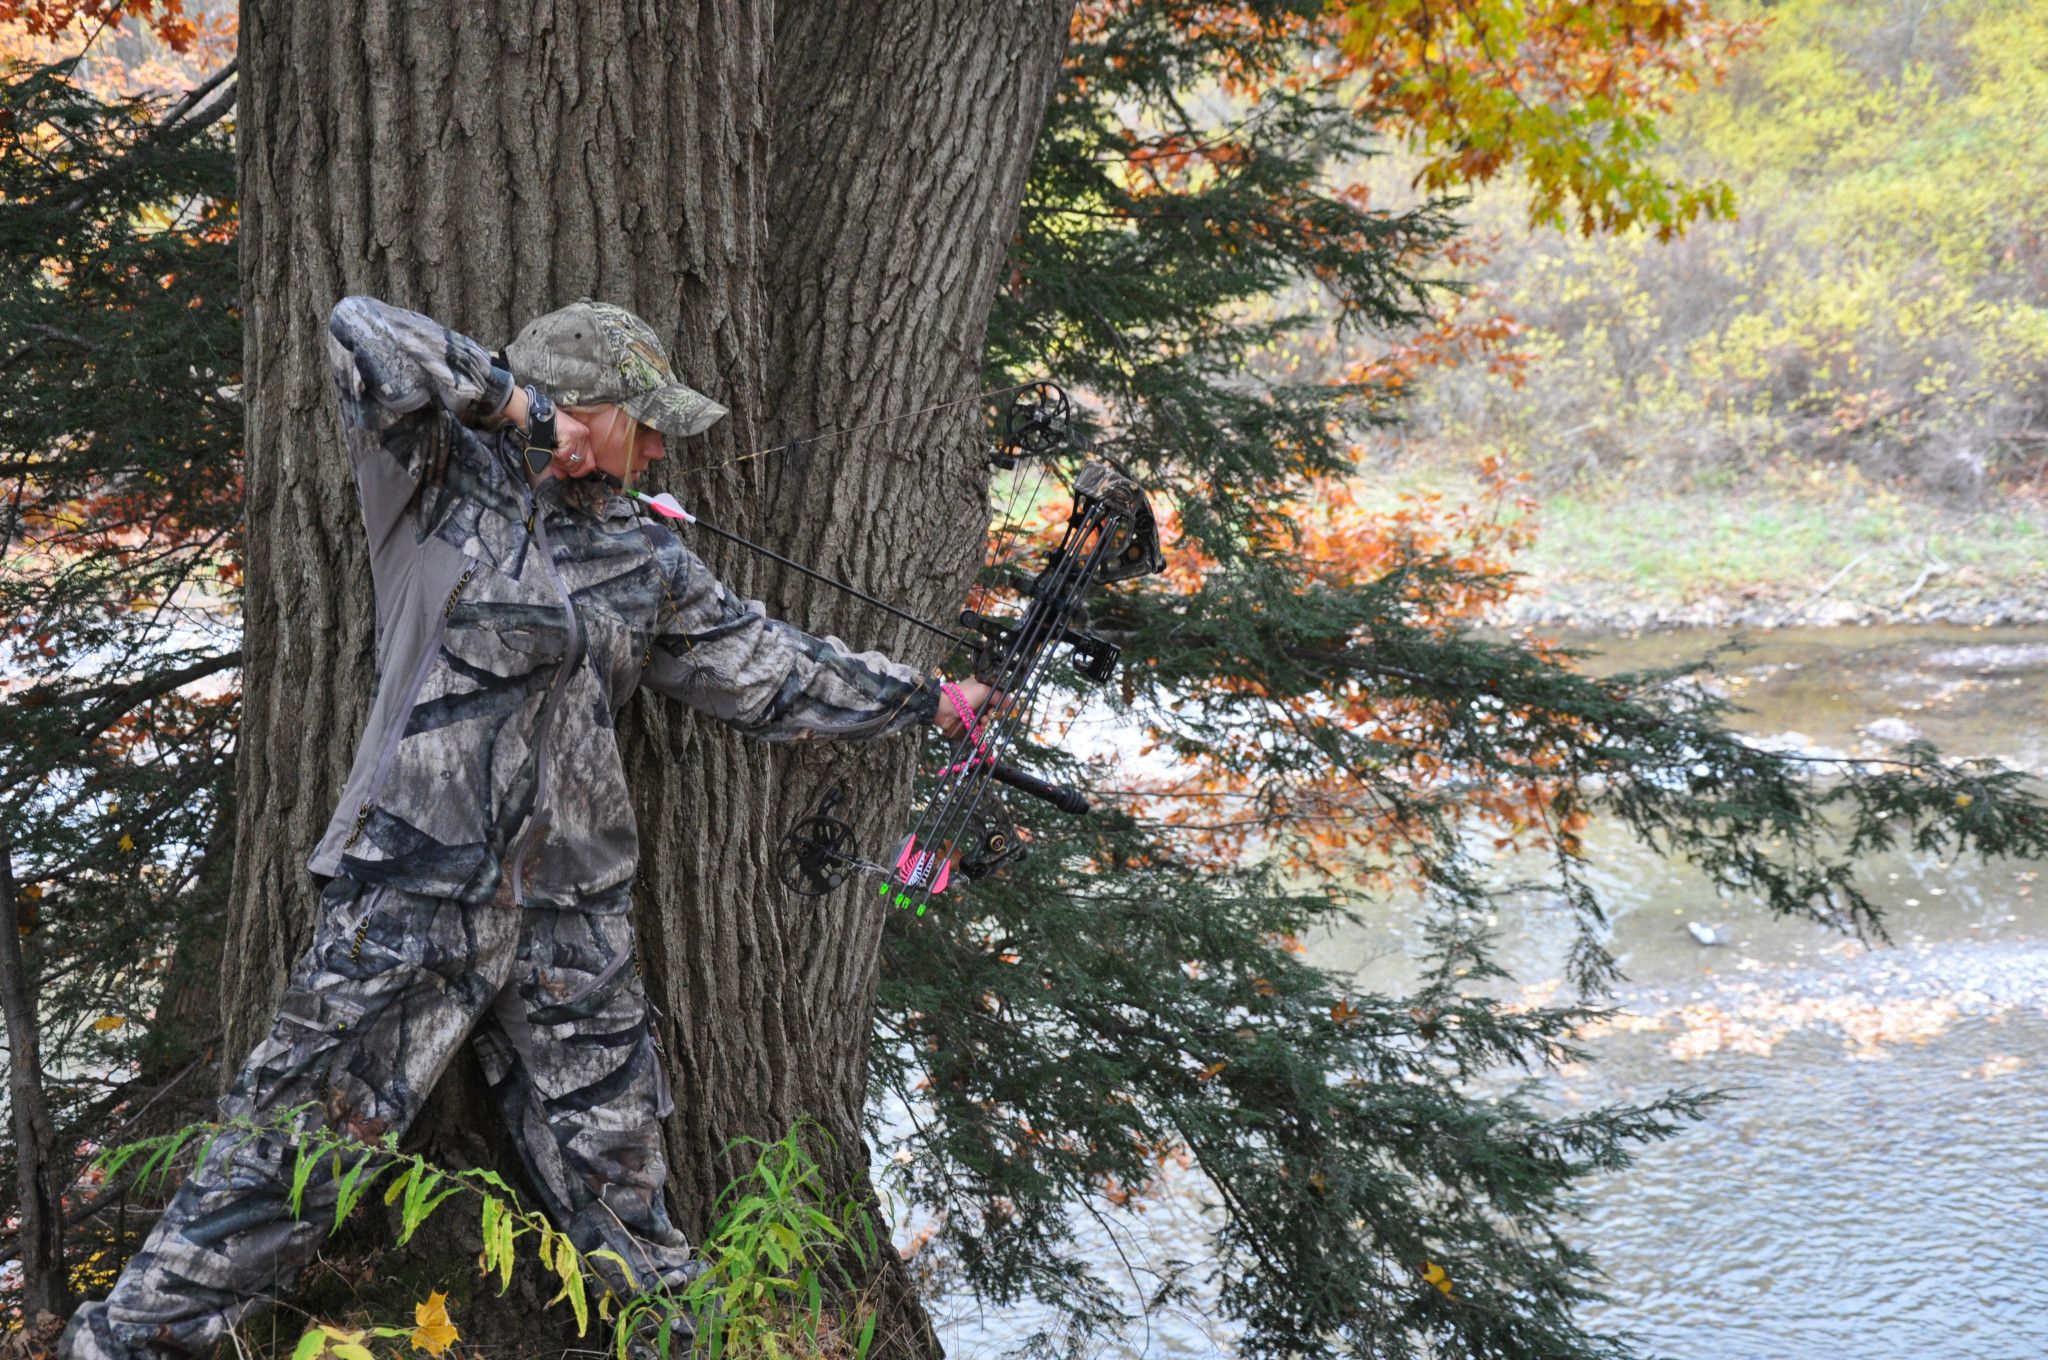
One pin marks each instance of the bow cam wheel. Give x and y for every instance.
(1036, 421)
(815, 855)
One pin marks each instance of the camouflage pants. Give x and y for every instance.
(392, 985)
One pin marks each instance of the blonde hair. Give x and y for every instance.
(590, 415)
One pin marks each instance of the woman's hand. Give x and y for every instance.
(574, 456)
(979, 697)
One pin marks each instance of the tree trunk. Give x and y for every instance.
(41, 1168)
(491, 168)
(483, 168)
(188, 1017)
(903, 132)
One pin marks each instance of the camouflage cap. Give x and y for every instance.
(597, 354)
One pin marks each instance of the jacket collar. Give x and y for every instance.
(586, 495)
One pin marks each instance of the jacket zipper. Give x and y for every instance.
(461, 584)
(541, 725)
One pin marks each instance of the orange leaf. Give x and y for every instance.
(434, 1333)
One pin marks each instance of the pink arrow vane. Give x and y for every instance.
(665, 504)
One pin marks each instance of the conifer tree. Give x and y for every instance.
(120, 350)
(1384, 1183)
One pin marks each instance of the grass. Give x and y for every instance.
(1827, 536)
(1678, 548)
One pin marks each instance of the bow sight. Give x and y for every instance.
(1110, 535)
(1113, 530)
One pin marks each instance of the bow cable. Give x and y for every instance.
(676, 511)
(1013, 656)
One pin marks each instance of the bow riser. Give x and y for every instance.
(1110, 535)
(1111, 532)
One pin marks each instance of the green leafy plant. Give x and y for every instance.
(778, 1262)
(781, 1260)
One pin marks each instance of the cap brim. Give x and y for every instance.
(675, 410)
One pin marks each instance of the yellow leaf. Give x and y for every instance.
(1212, 1069)
(1964, 800)
(571, 1270)
(487, 1259)
(127, 841)
(506, 1235)
(108, 1023)
(547, 1249)
(434, 1332)
(1437, 1276)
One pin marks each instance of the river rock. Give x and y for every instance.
(1890, 729)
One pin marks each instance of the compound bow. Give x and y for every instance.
(1110, 536)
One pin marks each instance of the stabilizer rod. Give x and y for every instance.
(1067, 800)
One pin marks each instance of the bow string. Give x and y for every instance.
(1110, 536)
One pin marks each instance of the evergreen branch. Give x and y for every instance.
(47, 335)
(124, 699)
(167, 136)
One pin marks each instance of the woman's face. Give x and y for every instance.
(620, 446)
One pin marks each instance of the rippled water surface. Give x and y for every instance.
(1878, 1189)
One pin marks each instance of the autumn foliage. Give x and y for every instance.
(66, 20)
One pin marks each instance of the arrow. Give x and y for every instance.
(667, 505)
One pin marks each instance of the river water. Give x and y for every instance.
(1878, 1187)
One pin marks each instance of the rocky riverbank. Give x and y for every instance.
(1590, 608)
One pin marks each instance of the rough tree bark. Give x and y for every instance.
(482, 167)
(44, 1286)
(188, 1014)
(902, 133)
(498, 165)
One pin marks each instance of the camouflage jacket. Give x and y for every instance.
(513, 623)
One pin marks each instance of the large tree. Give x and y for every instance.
(812, 202)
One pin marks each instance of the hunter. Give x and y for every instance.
(480, 862)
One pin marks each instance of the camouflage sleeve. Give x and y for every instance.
(724, 656)
(404, 382)
(389, 362)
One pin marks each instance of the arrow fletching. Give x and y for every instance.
(665, 504)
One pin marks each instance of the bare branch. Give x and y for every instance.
(122, 699)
